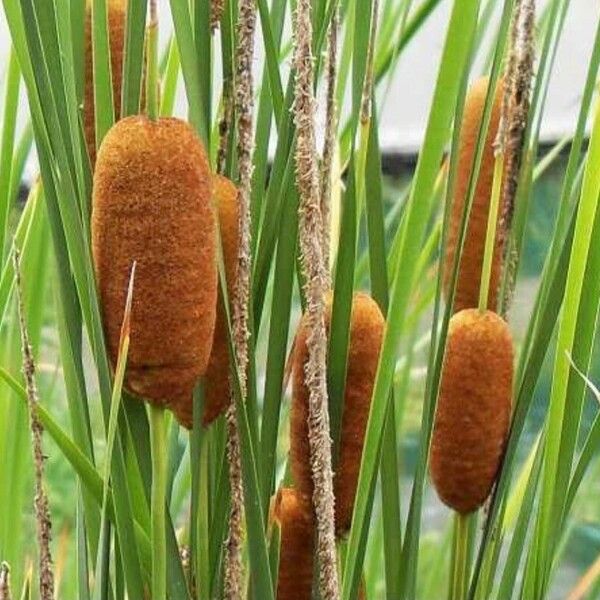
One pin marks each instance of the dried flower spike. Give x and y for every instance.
(152, 204)
(41, 504)
(471, 261)
(474, 407)
(366, 334)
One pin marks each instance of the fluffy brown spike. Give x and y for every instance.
(471, 262)
(217, 389)
(366, 334)
(474, 407)
(116, 11)
(152, 204)
(292, 512)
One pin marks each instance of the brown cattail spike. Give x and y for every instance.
(217, 389)
(152, 204)
(292, 512)
(474, 407)
(471, 261)
(366, 334)
(116, 10)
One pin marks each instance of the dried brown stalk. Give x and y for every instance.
(244, 103)
(330, 136)
(316, 282)
(42, 509)
(511, 134)
(216, 12)
(5, 582)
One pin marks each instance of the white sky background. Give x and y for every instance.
(406, 107)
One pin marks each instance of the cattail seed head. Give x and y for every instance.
(366, 334)
(473, 413)
(217, 389)
(116, 12)
(292, 512)
(471, 261)
(152, 204)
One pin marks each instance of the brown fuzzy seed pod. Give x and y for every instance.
(216, 391)
(474, 408)
(152, 204)
(292, 512)
(366, 334)
(471, 262)
(116, 10)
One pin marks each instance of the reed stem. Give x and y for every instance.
(159, 486)
(461, 556)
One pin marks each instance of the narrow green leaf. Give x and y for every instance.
(133, 61)
(9, 121)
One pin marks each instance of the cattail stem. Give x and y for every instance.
(152, 75)
(460, 577)
(42, 509)
(490, 238)
(158, 445)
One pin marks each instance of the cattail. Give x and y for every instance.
(116, 11)
(152, 204)
(474, 407)
(292, 512)
(366, 333)
(471, 261)
(217, 389)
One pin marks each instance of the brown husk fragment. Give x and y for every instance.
(366, 334)
(474, 407)
(292, 512)
(116, 11)
(216, 387)
(152, 204)
(471, 262)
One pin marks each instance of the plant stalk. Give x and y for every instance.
(460, 577)
(159, 486)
